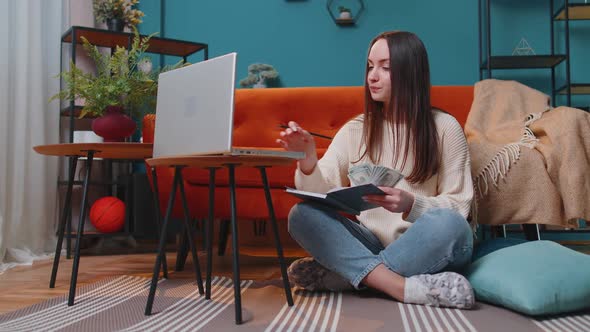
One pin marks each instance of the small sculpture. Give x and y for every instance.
(523, 48)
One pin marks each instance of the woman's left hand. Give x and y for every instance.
(394, 200)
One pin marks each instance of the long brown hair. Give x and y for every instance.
(409, 110)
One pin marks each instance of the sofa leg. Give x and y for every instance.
(223, 235)
(531, 232)
(498, 231)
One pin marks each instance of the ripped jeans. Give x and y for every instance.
(439, 240)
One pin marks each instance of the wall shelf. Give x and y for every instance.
(524, 61)
(489, 62)
(577, 11)
(576, 89)
(355, 12)
(112, 39)
(342, 21)
(119, 181)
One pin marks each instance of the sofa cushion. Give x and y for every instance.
(323, 110)
(534, 278)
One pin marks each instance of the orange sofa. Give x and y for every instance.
(258, 114)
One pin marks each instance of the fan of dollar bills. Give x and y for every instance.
(377, 175)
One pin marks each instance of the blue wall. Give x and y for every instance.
(307, 48)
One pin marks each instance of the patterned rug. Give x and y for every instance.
(117, 304)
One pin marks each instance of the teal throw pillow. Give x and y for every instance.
(534, 278)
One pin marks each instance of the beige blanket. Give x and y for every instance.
(530, 163)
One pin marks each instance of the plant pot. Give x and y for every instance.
(114, 125)
(148, 128)
(261, 84)
(345, 16)
(115, 24)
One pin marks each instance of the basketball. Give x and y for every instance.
(107, 214)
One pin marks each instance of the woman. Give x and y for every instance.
(402, 248)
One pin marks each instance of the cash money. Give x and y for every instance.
(377, 175)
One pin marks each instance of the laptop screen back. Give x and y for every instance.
(194, 112)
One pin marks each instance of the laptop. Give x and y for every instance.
(195, 112)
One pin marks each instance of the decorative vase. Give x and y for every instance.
(148, 127)
(115, 24)
(114, 125)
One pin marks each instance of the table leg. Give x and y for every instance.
(275, 229)
(80, 230)
(223, 235)
(159, 218)
(161, 247)
(189, 233)
(209, 237)
(64, 218)
(69, 232)
(235, 249)
(182, 251)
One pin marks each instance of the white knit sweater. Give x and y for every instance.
(451, 188)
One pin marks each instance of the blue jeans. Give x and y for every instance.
(439, 240)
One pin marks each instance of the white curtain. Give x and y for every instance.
(30, 40)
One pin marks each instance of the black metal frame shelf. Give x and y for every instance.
(70, 114)
(575, 89)
(94, 183)
(577, 11)
(72, 235)
(488, 62)
(112, 39)
(524, 61)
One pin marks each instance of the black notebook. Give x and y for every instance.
(349, 199)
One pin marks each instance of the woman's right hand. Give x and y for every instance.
(298, 139)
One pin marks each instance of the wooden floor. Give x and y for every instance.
(25, 285)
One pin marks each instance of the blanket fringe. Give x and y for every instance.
(500, 164)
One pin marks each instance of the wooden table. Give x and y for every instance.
(116, 151)
(212, 163)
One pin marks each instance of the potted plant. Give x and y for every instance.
(117, 13)
(116, 88)
(345, 13)
(259, 74)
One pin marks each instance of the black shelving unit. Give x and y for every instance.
(489, 62)
(573, 12)
(110, 40)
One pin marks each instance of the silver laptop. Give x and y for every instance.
(195, 112)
